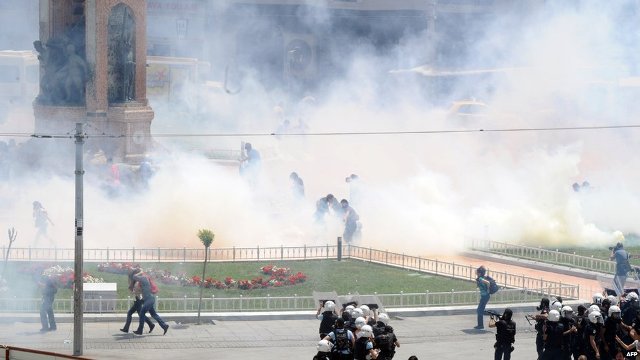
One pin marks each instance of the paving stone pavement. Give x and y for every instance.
(428, 337)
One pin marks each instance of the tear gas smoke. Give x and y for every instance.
(423, 193)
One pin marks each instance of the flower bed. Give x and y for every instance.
(277, 277)
(63, 276)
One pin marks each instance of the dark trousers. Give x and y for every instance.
(135, 308)
(147, 306)
(552, 354)
(484, 299)
(337, 356)
(539, 346)
(46, 314)
(349, 229)
(502, 350)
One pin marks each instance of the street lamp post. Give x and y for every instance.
(79, 227)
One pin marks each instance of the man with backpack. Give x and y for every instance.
(343, 342)
(149, 300)
(483, 283)
(363, 348)
(386, 343)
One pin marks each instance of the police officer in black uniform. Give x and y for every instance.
(553, 337)
(569, 339)
(327, 317)
(592, 335)
(581, 320)
(505, 336)
(540, 319)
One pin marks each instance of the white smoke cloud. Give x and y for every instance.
(422, 192)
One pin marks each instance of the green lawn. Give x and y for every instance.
(322, 275)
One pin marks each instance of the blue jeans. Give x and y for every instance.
(47, 318)
(135, 308)
(484, 299)
(618, 283)
(147, 306)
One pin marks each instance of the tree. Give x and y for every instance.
(206, 237)
(12, 237)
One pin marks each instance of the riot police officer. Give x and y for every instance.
(553, 337)
(505, 335)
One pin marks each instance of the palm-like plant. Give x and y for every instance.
(206, 237)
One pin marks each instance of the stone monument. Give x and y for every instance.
(93, 70)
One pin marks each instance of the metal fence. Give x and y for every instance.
(545, 255)
(134, 254)
(460, 271)
(518, 287)
(290, 303)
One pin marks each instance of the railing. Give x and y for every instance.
(522, 287)
(545, 255)
(459, 271)
(176, 254)
(290, 303)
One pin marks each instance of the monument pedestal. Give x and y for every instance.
(124, 131)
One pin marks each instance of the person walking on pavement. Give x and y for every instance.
(135, 288)
(483, 285)
(148, 302)
(47, 318)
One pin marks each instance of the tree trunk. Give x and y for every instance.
(204, 270)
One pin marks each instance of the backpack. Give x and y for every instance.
(384, 342)
(360, 351)
(154, 287)
(342, 340)
(493, 286)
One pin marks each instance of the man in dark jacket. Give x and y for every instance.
(47, 319)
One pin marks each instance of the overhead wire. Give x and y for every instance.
(335, 133)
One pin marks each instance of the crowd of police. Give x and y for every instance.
(354, 333)
(608, 328)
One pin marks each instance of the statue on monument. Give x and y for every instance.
(121, 55)
(129, 71)
(64, 68)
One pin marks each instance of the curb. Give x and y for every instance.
(269, 316)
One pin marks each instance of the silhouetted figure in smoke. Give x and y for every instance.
(250, 164)
(323, 205)
(113, 184)
(351, 225)
(145, 172)
(42, 220)
(47, 319)
(584, 187)
(297, 186)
